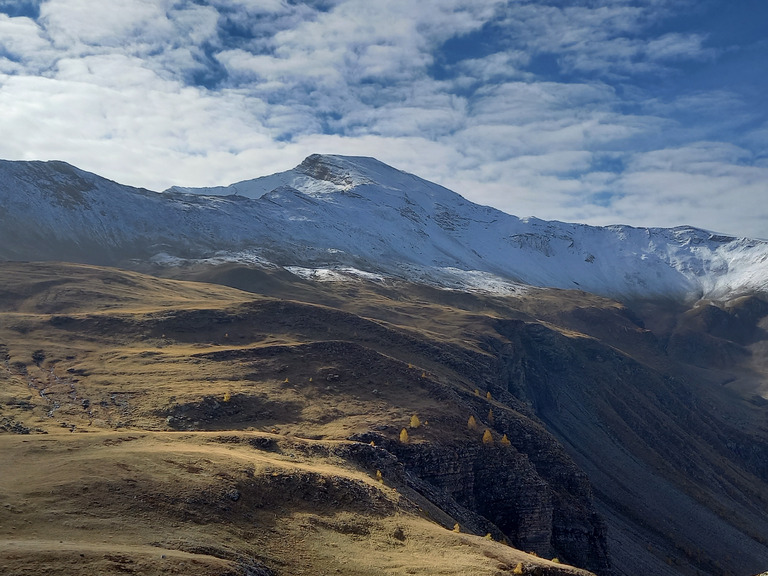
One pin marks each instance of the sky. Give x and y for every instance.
(641, 112)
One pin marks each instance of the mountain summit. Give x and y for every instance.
(340, 214)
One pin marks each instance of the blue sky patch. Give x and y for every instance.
(23, 8)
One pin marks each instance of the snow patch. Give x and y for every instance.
(335, 274)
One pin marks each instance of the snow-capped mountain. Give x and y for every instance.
(353, 213)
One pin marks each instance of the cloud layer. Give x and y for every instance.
(601, 111)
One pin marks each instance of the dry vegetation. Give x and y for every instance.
(151, 426)
(203, 503)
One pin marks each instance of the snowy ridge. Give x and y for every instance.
(336, 217)
(400, 223)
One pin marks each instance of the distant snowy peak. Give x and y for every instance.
(335, 214)
(360, 212)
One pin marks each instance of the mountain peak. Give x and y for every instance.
(60, 182)
(339, 170)
(346, 172)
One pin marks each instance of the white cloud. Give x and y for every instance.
(757, 138)
(166, 36)
(716, 184)
(83, 23)
(116, 71)
(23, 44)
(20, 36)
(138, 135)
(606, 38)
(281, 71)
(348, 45)
(698, 157)
(418, 120)
(677, 46)
(497, 67)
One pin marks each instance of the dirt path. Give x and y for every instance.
(28, 557)
(37, 545)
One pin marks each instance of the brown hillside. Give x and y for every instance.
(160, 427)
(235, 432)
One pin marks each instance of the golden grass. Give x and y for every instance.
(155, 502)
(144, 448)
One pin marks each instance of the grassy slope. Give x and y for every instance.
(668, 420)
(199, 503)
(115, 374)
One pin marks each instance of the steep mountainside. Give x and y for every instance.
(356, 214)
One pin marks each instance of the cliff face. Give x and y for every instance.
(527, 502)
(536, 500)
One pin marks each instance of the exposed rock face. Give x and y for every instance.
(538, 500)
(499, 484)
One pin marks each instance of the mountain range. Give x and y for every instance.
(355, 215)
(242, 362)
